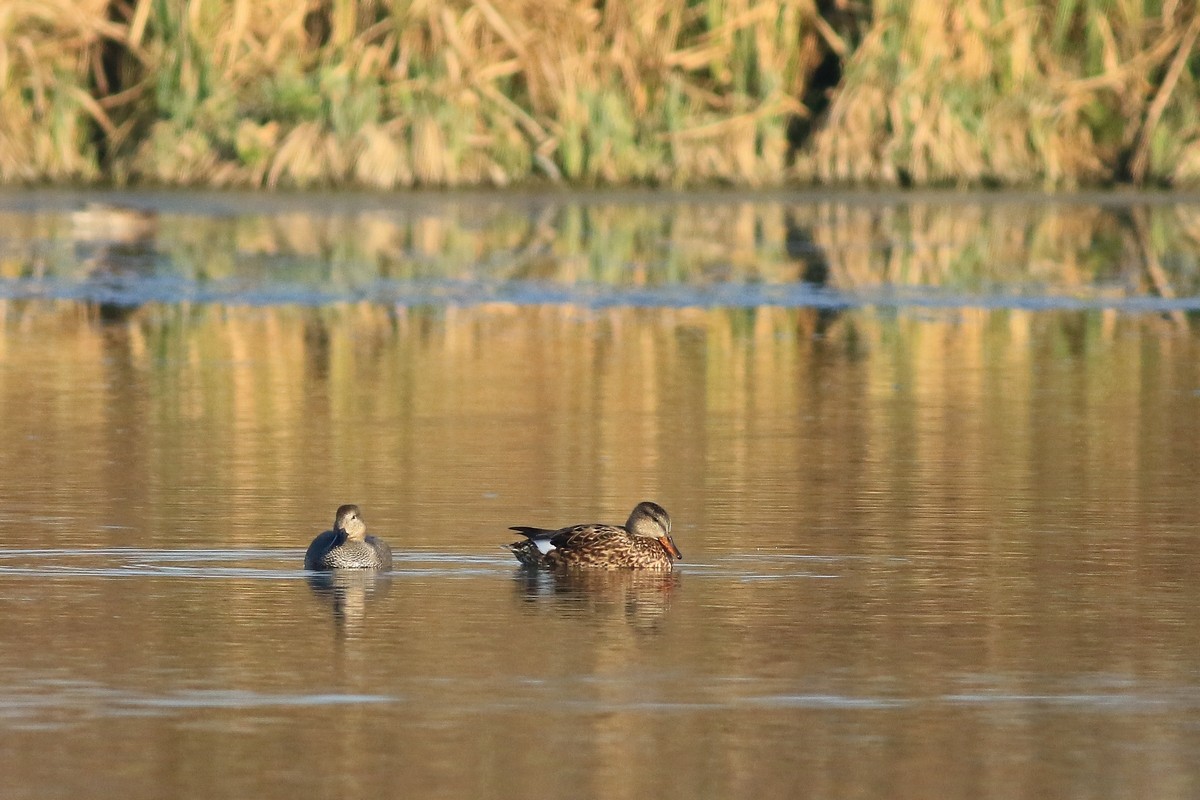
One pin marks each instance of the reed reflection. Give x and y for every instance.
(229, 405)
(473, 251)
(814, 269)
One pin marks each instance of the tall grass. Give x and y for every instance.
(1017, 92)
(48, 114)
(397, 93)
(400, 93)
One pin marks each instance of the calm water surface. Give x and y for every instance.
(932, 466)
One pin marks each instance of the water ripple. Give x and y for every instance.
(142, 562)
(140, 290)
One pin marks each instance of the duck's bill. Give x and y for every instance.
(669, 544)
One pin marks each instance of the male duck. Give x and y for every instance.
(348, 546)
(643, 542)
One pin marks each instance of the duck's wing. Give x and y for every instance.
(538, 539)
(533, 533)
(383, 549)
(578, 536)
(318, 548)
(570, 537)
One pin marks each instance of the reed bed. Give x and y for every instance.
(399, 93)
(1014, 92)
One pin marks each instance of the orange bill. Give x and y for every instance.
(669, 544)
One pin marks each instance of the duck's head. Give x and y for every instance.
(650, 520)
(350, 522)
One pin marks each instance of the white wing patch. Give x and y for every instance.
(543, 545)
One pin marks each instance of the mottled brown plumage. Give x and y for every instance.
(348, 546)
(643, 542)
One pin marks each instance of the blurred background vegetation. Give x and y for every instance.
(396, 93)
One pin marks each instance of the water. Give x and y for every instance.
(936, 496)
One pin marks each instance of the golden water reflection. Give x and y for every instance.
(278, 412)
(927, 551)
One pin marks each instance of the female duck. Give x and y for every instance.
(348, 546)
(643, 542)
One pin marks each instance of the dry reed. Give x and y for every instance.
(455, 93)
(1018, 92)
(394, 93)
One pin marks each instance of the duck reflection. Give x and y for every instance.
(118, 246)
(347, 593)
(638, 598)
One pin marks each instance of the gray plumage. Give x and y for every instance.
(348, 546)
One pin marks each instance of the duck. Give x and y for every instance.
(644, 542)
(348, 546)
